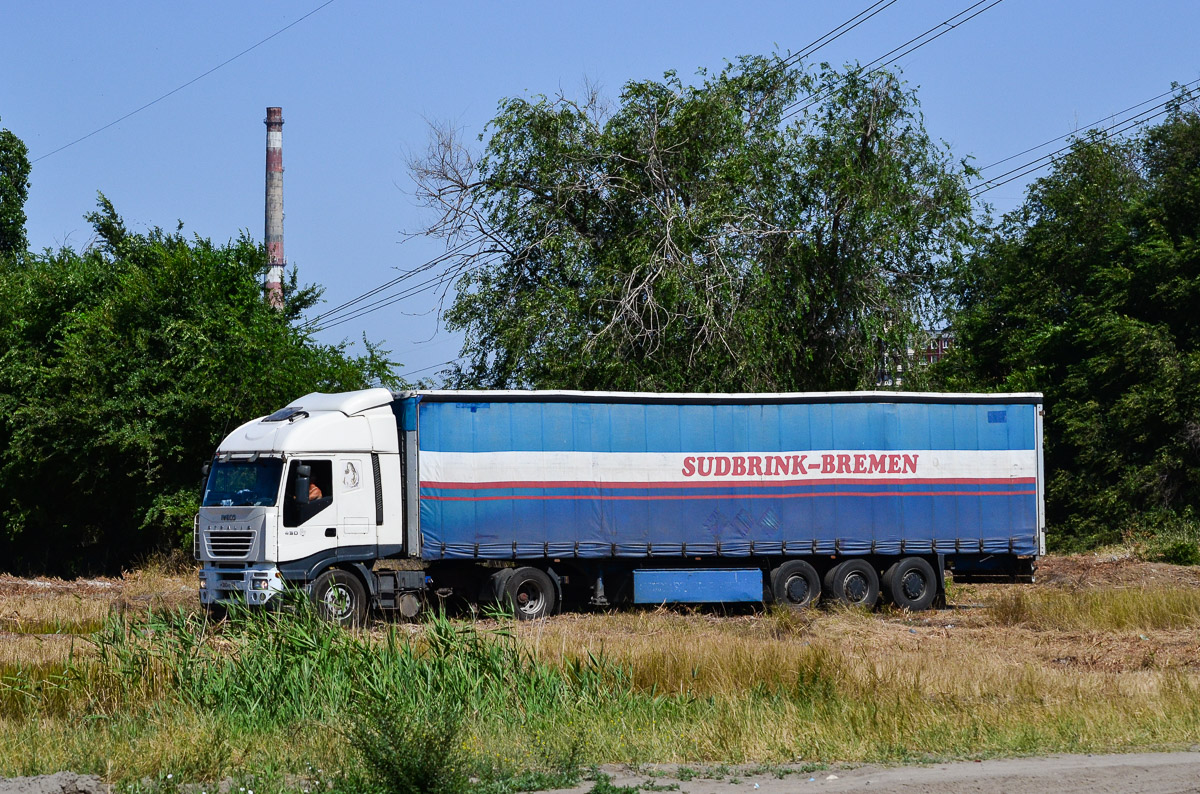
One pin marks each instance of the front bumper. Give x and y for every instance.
(252, 584)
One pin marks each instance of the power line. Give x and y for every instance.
(341, 313)
(387, 300)
(342, 307)
(185, 85)
(1089, 126)
(1043, 160)
(1039, 163)
(431, 366)
(882, 61)
(1116, 128)
(384, 302)
(821, 41)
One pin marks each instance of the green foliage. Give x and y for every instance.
(1088, 293)
(730, 235)
(604, 785)
(14, 190)
(1178, 552)
(407, 751)
(121, 367)
(1167, 536)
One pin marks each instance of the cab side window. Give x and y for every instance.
(297, 511)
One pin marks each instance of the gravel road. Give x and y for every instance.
(1152, 773)
(1146, 773)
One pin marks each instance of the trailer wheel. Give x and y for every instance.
(340, 597)
(796, 584)
(911, 584)
(531, 593)
(854, 583)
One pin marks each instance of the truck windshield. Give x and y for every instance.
(242, 483)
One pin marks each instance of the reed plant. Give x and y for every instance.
(498, 706)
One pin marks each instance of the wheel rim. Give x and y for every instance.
(855, 586)
(530, 598)
(796, 589)
(339, 601)
(913, 585)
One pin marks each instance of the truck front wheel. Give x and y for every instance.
(531, 593)
(340, 597)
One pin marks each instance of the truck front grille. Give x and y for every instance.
(229, 543)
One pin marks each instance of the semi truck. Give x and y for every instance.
(535, 500)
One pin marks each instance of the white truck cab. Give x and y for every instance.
(297, 499)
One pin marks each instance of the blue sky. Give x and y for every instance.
(359, 81)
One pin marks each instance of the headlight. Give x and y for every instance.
(258, 584)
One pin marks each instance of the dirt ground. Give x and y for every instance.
(1082, 571)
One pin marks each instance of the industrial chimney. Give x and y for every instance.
(274, 231)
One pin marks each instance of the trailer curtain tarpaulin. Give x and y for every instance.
(504, 479)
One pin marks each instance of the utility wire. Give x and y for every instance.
(1032, 166)
(345, 313)
(431, 366)
(185, 85)
(388, 300)
(1088, 126)
(883, 60)
(342, 307)
(341, 313)
(816, 44)
(1038, 162)
(821, 41)
(1116, 128)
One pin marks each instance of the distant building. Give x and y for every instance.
(939, 345)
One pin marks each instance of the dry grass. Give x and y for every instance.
(57, 606)
(38, 649)
(1110, 609)
(1075, 663)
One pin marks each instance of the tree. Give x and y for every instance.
(14, 190)
(1088, 292)
(768, 229)
(121, 367)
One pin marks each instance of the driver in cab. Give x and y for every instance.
(305, 502)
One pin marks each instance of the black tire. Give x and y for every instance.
(217, 613)
(853, 583)
(911, 584)
(530, 593)
(796, 584)
(340, 597)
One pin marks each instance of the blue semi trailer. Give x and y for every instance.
(538, 499)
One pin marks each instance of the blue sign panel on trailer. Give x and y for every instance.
(702, 586)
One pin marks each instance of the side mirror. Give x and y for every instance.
(303, 479)
(205, 469)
